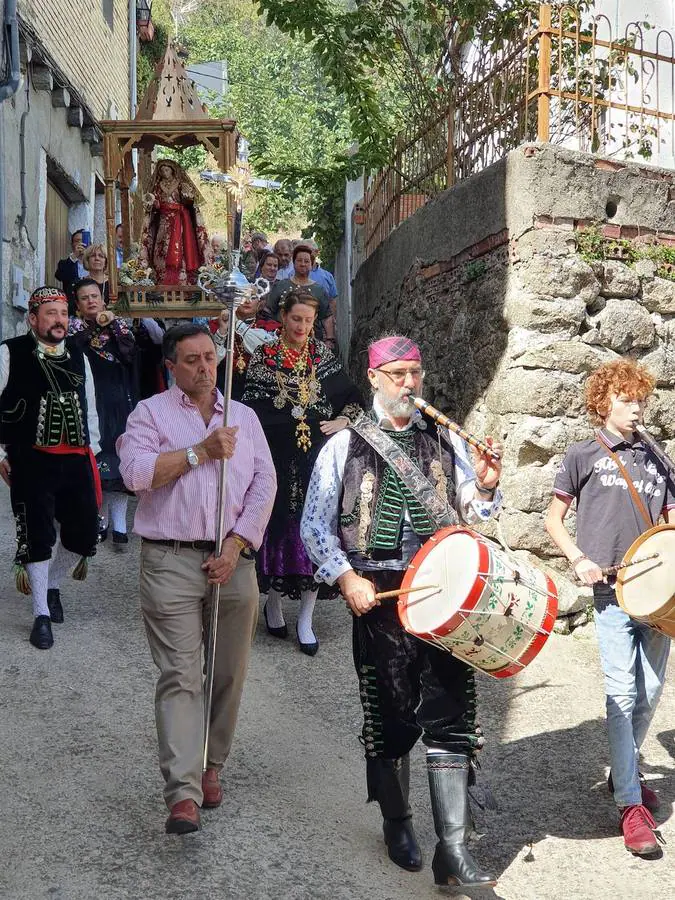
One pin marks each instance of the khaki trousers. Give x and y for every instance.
(175, 601)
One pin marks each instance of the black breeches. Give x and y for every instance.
(410, 688)
(47, 487)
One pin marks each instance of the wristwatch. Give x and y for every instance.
(192, 458)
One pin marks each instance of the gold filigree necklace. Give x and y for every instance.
(304, 393)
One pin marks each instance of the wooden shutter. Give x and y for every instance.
(57, 236)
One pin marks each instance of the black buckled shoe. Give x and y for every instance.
(41, 633)
(120, 541)
(54, 604)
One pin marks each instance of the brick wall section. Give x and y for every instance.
(94, 57)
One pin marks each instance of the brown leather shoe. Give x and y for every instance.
(212, 789)
(184, 818)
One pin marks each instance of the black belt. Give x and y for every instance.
(201, 546)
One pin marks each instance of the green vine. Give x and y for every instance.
(593, 246)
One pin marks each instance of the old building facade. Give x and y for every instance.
(75, 72)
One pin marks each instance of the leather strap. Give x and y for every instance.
(410, 474)
(637, 499)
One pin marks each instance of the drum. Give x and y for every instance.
(493, 611)
(646, 588)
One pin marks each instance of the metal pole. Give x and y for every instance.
(220, 537)
(544, 85)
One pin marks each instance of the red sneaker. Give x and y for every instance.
(638, 828)
(649, 798)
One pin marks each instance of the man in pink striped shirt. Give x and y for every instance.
(169, 455)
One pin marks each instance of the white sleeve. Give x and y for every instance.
(92, 415)
(470, 509)
(319, 525)
(155, 332)
(254, 337)
(4, 378)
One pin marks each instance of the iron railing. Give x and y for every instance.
(568, 79)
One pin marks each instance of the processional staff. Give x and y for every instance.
(231, 289)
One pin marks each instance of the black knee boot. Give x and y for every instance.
(448, 784)
(389, 780)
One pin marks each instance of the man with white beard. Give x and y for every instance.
(362, 524)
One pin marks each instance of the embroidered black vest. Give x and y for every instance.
(44, 403)
(374, 500)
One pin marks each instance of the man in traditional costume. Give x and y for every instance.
(49, 435)
(379, 489)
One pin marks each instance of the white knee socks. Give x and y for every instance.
(305, 632)
(274, 609)
(62, 562)
(118, 512)
(38, 572)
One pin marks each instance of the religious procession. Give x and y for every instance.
(433, 451)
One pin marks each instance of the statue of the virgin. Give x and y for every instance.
(174, 241)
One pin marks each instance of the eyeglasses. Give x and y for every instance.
(398, 376)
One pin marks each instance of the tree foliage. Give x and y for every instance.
(283, 103)
(391, 59)
(309, 77)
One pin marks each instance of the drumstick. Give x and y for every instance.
(611, 570)
(443, 420)
(386, 595)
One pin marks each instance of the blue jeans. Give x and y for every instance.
(634, 658)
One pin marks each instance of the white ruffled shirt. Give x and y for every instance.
(319, 526)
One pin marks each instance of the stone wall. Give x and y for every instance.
(511, 318)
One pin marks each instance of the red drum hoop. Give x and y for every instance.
(487, 607)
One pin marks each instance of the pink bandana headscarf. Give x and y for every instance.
(392, 349)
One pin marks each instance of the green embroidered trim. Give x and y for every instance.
(348, 519)
(392, 498)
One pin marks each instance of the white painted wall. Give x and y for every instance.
(653, 87)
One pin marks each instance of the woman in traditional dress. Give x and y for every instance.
(301, 395)
(95, 261)
(110, 347)
(174, 241)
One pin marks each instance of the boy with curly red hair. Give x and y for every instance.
(610, 516)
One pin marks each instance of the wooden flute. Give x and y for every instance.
(441, 419)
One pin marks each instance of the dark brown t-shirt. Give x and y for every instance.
(607, 520)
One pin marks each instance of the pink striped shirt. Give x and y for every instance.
(186, 509)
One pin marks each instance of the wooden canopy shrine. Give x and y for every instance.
(169, 115)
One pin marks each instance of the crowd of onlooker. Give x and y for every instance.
(126, 355)
(285, 264)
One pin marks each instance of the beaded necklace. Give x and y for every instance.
(300, 395)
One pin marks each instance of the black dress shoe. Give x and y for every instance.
(103, 534)
(41, 633)
(54, 604)
(308, 649)
(120, 541)
(280, 632)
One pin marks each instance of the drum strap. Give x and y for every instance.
(637, 500)
(408, 472)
